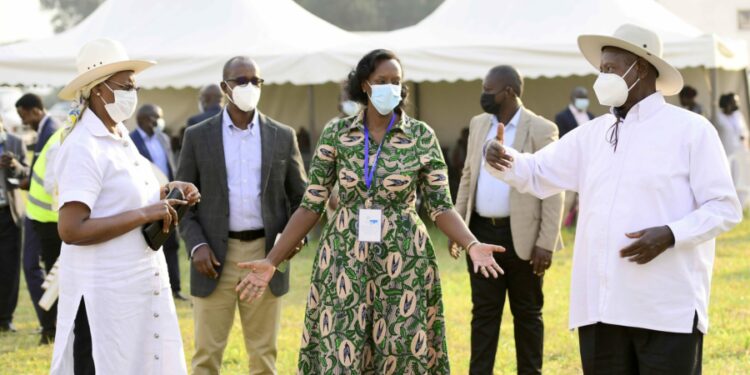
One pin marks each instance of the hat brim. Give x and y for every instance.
(670, 80)
(69, 91)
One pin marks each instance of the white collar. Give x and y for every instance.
(513, 120)
(226, 121)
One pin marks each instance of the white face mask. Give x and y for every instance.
(385, 97)
(161, 124)
(124, 105)
(350, 107)
(581, 103)
(612, 90)
(245, 97)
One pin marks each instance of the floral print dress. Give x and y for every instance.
(376, 308)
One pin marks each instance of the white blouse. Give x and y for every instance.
(134, 327)
(669, 169)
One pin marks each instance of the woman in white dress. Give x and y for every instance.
(115, 312)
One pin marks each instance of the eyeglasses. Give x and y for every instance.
(243, 81)
(126, 87)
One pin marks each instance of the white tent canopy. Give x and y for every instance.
(191, 40)
(462, 38)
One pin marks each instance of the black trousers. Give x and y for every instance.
(171, 254)
(50, 243)
(34, 274)
(83, 358)
(617, 350)
(10, 265)
(524, 291)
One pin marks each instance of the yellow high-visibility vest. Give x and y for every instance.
(39, 205)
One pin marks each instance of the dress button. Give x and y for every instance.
(156, 315)
(156, 292)
(156, 273)
(146, 183)
(136, 163)
(156, 357)
(156, 335)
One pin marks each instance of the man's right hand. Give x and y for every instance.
(495, 154)
(204, 261)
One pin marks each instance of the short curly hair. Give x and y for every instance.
(362, 72)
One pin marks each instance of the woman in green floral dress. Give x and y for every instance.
(375, 304)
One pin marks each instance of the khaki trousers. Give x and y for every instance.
(214, 316)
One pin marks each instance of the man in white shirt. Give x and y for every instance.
(526, 226)
(731, 124)
(574, 115)
(655, 191)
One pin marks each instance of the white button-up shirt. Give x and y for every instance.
(493, 195)
(242, 154)
(134, 327)
(669, 169)
(156, 150)
(733, 131)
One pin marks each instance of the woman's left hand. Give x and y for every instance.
(254, 284)
(482, 256)
(189, 191)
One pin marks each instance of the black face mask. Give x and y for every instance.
(487, 101)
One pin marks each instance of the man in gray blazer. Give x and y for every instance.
(250, 174)
(11, 166)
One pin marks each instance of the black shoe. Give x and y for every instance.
(48, 337)
(178, 296)
(7, 327)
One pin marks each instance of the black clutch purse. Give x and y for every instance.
(155, 236)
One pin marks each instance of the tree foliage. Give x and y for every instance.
(371, 15)
(69, 13)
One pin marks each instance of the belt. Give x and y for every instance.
(5, 208)
(494, 221)
(248, 235)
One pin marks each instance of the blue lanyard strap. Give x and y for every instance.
(369, 171)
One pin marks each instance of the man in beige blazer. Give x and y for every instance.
(528, 227)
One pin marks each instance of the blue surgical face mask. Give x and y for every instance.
(385, 97)
(581, 103)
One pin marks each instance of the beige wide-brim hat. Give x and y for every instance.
(641, 42)
(100, 58)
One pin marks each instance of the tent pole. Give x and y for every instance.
(747, 91)
(714, 88)
(311, 119)
(417, 104)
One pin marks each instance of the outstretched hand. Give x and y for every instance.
(482, 257)
(255, 283)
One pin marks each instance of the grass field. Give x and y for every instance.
(726, 349)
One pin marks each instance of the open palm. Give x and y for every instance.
(255, 283)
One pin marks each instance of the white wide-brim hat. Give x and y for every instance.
(641, 42)
(100, 58)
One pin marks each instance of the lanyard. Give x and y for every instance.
(369, 171)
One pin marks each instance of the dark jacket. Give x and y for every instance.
(203, 116)
(14, 145)
(283, 183)
(566, 121)
(140, 144)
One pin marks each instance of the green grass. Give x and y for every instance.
(726, 349)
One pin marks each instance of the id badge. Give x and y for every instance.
(370, 225)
